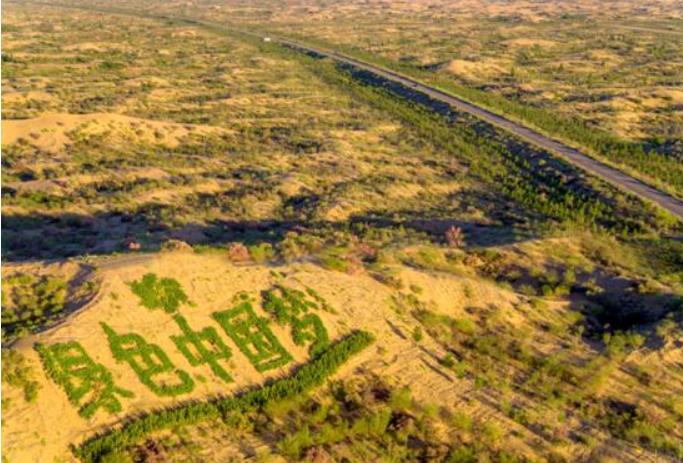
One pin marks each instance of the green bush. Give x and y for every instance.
(29, 302)
(16, 372)
(261, 253)
(155, 293)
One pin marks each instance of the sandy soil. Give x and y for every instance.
(474, 70)
(50, 131)
(42, 431)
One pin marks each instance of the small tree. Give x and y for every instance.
(455, 238)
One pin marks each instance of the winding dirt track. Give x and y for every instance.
(610, 174)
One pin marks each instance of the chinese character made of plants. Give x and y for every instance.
(294, 307)
(88, 385)
(149, 362)
(252, 335)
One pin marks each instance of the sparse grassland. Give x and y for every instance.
(607, 81)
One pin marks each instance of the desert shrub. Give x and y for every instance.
(30, 301)
(16, 372)
(401, 399)
(621, 343)
(527, 290)
(292, 445)
(159, 293)
(455, 238)
(373, 425)
(175, 245)
(261, 253)
(304, 379)
(238, 252)
(462, 421)
(296, 246)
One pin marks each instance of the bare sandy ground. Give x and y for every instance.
(52, 131)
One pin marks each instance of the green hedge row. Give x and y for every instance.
(306, 378)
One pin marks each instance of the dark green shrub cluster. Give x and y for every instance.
(159, 293)
(628, 422)
(253, 336)
(17, 373)
(304, 379)
(209, 348)
(149, 361)
(292, 306)
(28, 302)
(70, 366)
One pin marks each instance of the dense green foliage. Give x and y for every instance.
(304, 379)
(28, 302)
(253, 336)
(70, 366)
(159, 293)
(149, 361)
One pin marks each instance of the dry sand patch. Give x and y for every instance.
(50, 131)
